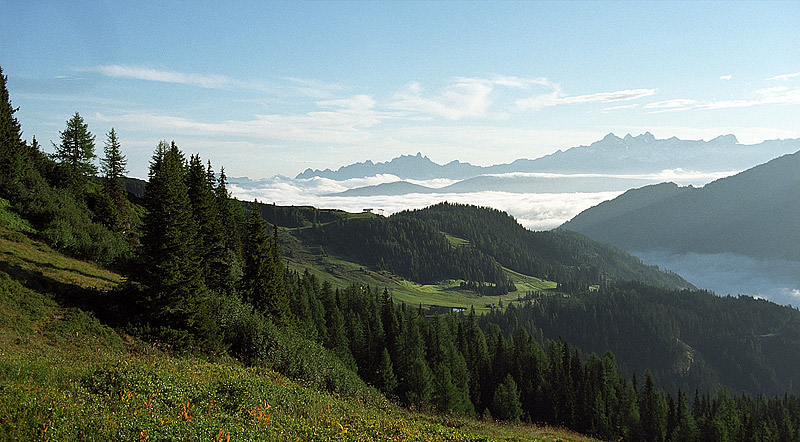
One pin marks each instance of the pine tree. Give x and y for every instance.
(205, 210)
(416, 378)
(257, 256)
(76, 153)
(113, 168)
(279, 303)
(12, 147)
(176, 297)
(505, 403)
(653, 411)
(685, 428)
(387, 381)
(263, 280)
(229, 269)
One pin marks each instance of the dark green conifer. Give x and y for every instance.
(211, 240)
(505, 403)
(12, 148)
(170, 268)
(113, 168)
(263, 280)
(653, 411)
(387, 380)
(76, 153)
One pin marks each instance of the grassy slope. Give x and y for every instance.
(65, 376)
(341, 272)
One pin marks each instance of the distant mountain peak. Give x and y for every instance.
(610, 137)
(727, 139)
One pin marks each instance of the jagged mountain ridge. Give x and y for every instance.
(629, 154)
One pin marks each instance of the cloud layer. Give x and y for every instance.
(536, 211)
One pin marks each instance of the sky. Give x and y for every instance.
(272, 88)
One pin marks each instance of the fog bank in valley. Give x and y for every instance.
(731, 274)
(536, 211)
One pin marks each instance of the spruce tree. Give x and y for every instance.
(12, 148)
(205, 210)
(113, 168)
(76, 152)
(653, 411)
(505, 403)
(416, 379)
(386, 379)
(176, 297)
(263, 280)
(228, 267)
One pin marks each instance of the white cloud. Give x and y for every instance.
(556, 97)
(621, 107)
(285, 86)
(669, 104)
(784, 76)
(467, 97)
(725, 77)
(357, 102)
(211, 81)
(772, 95)
(341, 125)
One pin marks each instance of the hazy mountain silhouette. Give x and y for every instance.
(630, 155)
(753, 213)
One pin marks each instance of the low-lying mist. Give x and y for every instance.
(536, 211)
(731, 274)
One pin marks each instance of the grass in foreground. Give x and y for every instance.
(64, 376)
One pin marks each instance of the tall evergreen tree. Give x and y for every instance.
(416, 378)
(12, 147)
(76, 152)
(263, 280)
(211, 240)
(170, 268)
(113, 166)
(505, 403)
(228, 267)
(653, 411)
(387, 380)
(685, 428)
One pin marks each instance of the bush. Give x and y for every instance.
(255, 340)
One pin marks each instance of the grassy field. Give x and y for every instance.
(340, 272)
(64, 376)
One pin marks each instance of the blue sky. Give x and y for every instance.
(265, 88)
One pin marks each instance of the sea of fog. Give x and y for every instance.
(536, 211)
(778, 281)
(731, 274)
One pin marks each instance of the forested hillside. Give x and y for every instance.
(569, 259)
(750, 214)
(204, 332)
(688, 340)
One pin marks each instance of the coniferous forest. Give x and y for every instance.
(643, 356)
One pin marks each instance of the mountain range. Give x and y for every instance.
(642, 154)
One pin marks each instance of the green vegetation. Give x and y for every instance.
(207, 333)
(66, 376)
